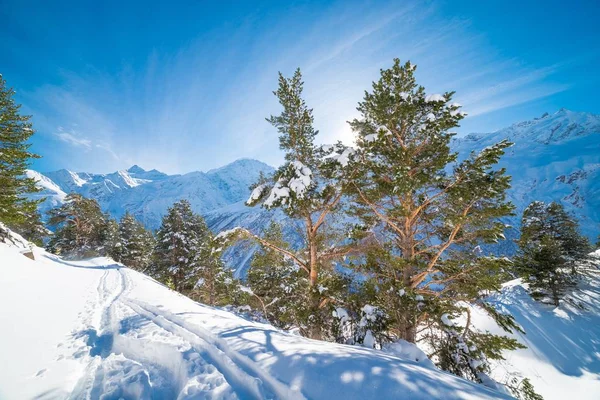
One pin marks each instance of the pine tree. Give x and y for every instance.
(306, 189)
(429, 214)
(215, 285)
(179, 239)
(185, 257)
(550, 250)
(136, 243)
(15, 131)
(113, 246)
(81, 228)
(32, 228)
(276, 282)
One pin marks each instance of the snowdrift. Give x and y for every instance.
(95, 328)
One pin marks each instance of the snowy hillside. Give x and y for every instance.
(562, 358)
(81, 329)
(554, 158)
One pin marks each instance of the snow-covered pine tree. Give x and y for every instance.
(186, 259)
(305, 188)
(16, 210)
(550, 248)
(275, 281)
(136, 243)
(429, 213)
(81, 228)
(179, 239)
(215, 285)
(113, 247)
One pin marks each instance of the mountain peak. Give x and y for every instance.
(136, 169)
(243, 164)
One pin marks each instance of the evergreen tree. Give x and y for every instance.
(32, 228)
(429, 213)
(276, 282)
(15, 130)
(179, 239)
(550, 250)
(113, 246)
(81, 228)
(186, 259)
(215, 285)
(306, 189)
(136, 243)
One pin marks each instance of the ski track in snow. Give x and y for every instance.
(135, 350)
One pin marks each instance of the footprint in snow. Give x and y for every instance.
(41, 373)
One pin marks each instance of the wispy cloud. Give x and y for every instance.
(72, 138)
(109, 150)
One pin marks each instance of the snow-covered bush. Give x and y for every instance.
(366, 328)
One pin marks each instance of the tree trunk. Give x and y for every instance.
(314, 329)
(408, 325)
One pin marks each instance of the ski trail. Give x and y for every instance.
(230, 362)
(143, 360)
(182, 373)
(243, 384)
(161, 355)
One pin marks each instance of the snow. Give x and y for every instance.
(77, 179)
(278, 192)
(562, 358)
(50, 193)
(403, 349)
(446, 320)
(370, 138)
(87, 328)
(148, 194)
(130, 181)
(302, 181)
(256, 193)
(227, 233)
(344, 157)
(434, 97)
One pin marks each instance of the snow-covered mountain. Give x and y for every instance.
(148, 194)
(554, 158)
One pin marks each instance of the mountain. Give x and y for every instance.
(147, 194)
(555, 157)
(94, 329)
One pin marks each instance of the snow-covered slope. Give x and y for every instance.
(51, 194)
(554, 158)
(84, 329)
(562, 358)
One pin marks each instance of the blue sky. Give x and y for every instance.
(183, 86)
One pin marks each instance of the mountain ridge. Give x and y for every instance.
(555, 157)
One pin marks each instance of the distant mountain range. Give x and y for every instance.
(555, 157)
